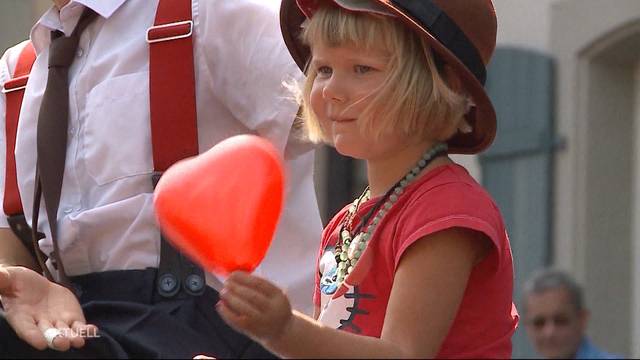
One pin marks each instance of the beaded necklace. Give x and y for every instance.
(349, 248)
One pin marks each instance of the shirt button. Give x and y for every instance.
(168, 284)
(80, 52)
(194, 283)
(68, 210)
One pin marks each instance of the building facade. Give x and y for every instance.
(594, 227)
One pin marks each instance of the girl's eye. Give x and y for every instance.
(362, 69)
(324, 70)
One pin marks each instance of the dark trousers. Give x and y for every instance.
(135, 322)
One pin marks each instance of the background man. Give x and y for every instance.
(556, 318)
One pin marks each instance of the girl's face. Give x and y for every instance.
(348, 79)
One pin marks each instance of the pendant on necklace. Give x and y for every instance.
(354, 248)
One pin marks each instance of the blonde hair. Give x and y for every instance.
(413, 98)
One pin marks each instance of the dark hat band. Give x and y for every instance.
(445, 30)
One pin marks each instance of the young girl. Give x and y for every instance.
(419, 265)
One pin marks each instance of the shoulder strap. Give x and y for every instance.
(174, 131)
(14, 92)
(172, 84)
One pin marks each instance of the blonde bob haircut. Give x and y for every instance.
(414, 98)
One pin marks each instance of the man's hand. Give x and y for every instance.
(255, 307)
(33, 304)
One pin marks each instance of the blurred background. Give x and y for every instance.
(565, 165)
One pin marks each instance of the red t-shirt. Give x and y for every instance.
(445, 197)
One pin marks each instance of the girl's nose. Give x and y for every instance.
(333, 90)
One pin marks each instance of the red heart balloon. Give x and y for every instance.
(221, 207)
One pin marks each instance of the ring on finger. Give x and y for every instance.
(50, 335)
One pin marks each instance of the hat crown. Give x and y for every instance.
(477, 19)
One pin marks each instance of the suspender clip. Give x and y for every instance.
(171, 31)
(15, 84)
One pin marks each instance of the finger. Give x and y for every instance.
(262, 285)
(237, 304)
(26, 329)
(71, 316)
(5, 281)
(75, 337)
(60, 342)
(256, 298)
(85, 330)
(235, 320)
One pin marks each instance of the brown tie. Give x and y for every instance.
(53, 121)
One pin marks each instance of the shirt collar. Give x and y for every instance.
(67, 18)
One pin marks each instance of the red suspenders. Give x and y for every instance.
(172, 84)
(173, 123)
(14, 91)
(174, 131)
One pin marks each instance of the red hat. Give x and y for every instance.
(461, 32)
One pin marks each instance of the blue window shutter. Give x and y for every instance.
(517, 168)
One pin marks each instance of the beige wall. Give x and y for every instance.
(635, 233)
(524, 23)
(16, 19)
(596, 47)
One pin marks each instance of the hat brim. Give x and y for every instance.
(481, 117)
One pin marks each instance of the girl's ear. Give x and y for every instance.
(455, 84)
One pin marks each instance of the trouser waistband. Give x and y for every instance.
(123, 285)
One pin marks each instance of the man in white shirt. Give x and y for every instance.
(108, 239)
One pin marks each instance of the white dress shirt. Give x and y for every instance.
(106, 219)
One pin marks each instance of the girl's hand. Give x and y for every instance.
(255, 306)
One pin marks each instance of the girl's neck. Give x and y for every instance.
(384, 173)
(60, 3)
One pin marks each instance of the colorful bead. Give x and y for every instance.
(352, 248)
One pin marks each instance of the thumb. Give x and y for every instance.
(5, 280)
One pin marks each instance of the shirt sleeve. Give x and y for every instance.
(448, 206)
(250, 65)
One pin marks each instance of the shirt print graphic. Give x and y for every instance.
(340, 303)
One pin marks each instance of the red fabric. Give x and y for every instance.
(443, 198)
(12, 202)
(174, 133)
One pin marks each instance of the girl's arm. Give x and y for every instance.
(428, 287)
